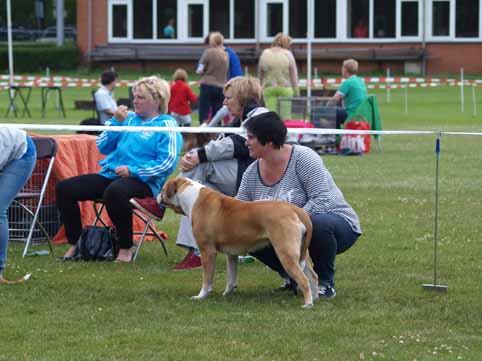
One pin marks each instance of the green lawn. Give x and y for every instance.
(142, 311)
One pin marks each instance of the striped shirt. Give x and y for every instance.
(306, 183)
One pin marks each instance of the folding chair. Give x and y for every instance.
(148, 230)
(31, 197)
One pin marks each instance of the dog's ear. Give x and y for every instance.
(170, 188)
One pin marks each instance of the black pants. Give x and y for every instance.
(210, 98)
(115, 193)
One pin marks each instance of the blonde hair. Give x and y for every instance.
(281, 40)
(155, 89)
(351, 66)
(216, 39)
(180, 74)
(244, 89)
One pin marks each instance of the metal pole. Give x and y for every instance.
(474, 101)
(9, 37)
(308, 55)
(388, 87)
(89, 31)
(60, 22)
(406, 99)
(462, 90)
(434, 286)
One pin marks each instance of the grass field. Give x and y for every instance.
(142, 311)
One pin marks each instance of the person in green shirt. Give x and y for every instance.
(351, 94)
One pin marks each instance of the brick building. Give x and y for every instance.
(404, 35)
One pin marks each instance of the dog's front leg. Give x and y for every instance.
(208, 259)
(232, 275)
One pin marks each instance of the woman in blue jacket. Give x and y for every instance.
(136, 165)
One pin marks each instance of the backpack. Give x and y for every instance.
(96, 244)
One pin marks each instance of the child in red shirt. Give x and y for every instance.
(181, 99)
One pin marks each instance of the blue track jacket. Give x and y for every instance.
(150, 156)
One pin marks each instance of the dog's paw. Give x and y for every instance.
(229, 290)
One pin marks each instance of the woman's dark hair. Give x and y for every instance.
(267, 127)
(108, 77)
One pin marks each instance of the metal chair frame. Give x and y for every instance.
(46, 148)
(148, 230)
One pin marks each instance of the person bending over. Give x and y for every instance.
(296, 174)
(136, 165)
(17, 161)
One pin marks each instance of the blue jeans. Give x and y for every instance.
(332, 235)
(12, 178)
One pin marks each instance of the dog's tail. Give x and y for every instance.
(25, 278)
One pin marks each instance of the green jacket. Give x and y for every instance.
(368, 112)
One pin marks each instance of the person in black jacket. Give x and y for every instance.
(220, 164)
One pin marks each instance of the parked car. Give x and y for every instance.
(19, 33)
(50, 33)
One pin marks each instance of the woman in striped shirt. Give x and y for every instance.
(296, 174)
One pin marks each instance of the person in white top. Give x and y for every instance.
(104, 99)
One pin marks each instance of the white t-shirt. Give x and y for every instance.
(104, 100)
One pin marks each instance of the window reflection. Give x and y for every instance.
(166, 19)
(142, 19)
(409, 18)
(358, 18)
(440, 18)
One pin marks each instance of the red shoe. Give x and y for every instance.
(189, 262)
(149, 206)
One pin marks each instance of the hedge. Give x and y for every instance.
(36, 57)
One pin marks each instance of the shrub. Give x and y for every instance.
(36, 57)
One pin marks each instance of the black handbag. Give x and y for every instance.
(96, 244)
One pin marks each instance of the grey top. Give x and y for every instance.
(13, 144)
(306, 183)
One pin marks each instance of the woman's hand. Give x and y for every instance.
(189, 161)
(122, 171)
(121, 113)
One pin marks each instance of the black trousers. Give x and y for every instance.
(115, 193)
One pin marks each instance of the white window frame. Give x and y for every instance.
(264, 18)
(182, 11)
(451, 37)
(398, 13)
(260, 15)
(111, 5)
(429, 23)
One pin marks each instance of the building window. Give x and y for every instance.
(142, 19)
(166, 19)
(325, 19)
(358, 18)
(467, 18)
(244, 18)
(384, 18)
(441, 18)
(297, 18)
(219, 16)
(274, 19)
(195, 13)
(409, 18)
(119, 21)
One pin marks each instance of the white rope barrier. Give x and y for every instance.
(323, 131)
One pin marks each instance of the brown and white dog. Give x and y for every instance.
(225, 224)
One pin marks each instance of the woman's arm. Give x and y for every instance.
(293, 74)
